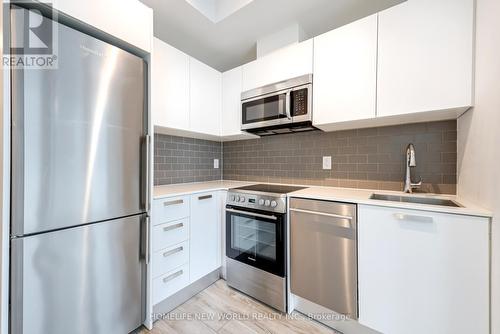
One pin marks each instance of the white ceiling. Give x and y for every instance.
(226, 36)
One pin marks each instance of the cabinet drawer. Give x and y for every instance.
(170, 283)
(168, 259)
(168, 209)
(170, 234)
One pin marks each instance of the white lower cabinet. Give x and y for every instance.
(169, 283)
(422, 272)
(222, 210)
(169, 209)
(170, 233)
(204, 256)
(184, 249)
(169, 258)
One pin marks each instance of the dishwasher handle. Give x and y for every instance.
(338, 220)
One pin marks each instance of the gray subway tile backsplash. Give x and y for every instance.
(365, 158)
(181, 159)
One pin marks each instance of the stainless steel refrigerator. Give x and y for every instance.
(79, 178)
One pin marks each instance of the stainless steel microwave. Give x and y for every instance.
(281, 107)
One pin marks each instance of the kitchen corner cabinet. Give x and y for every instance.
(345, 73)
(205, 98)
(422, 272)
(288, 62)
(186, 94)
(425, 56)
(231, 105)
(169, 86)
(231, 102)
(205, 235)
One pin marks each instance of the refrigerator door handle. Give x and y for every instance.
(146, 142)
(145, 239)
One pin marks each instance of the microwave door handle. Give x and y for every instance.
(287, 104)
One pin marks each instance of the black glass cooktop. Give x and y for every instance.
(271, 188)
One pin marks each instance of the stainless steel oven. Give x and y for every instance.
(256, 242)
(256, 238)
(282, 107)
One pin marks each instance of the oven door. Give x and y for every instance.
(256, 238)
(266, 110)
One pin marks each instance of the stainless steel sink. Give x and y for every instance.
(419, 200)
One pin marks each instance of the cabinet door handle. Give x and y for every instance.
(413, 218)
(173, 251)
(204, 197)
(173, 227)
(174, 275)
(177, 201)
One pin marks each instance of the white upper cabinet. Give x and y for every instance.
(128, 20)
(422, 272)
(186, 95)
(205, 98)
(231, 105)
(231, 102)
(345, 74)
(169, 87)
(288, 62)
(425, 56)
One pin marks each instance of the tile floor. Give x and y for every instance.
(221, 309)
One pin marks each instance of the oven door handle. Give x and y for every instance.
(252, 214)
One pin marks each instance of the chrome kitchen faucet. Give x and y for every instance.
(410, 162)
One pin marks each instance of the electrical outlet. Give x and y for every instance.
(327, 162)
(216, 163)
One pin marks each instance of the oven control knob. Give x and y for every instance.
(267, 203)
(232, 198)
(237, 198)
(261, 201)
(242, 199)
(274, 204)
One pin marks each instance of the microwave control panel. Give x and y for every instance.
(299, 102)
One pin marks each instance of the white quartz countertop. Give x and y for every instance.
(196, 187)
(358, 196)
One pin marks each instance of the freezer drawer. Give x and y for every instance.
(323, 259)
(80, 280)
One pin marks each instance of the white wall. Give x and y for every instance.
(479, 136)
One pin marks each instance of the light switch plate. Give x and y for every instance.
(327, 162)
(216, 163)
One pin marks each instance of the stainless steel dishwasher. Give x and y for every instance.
(323, 259)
